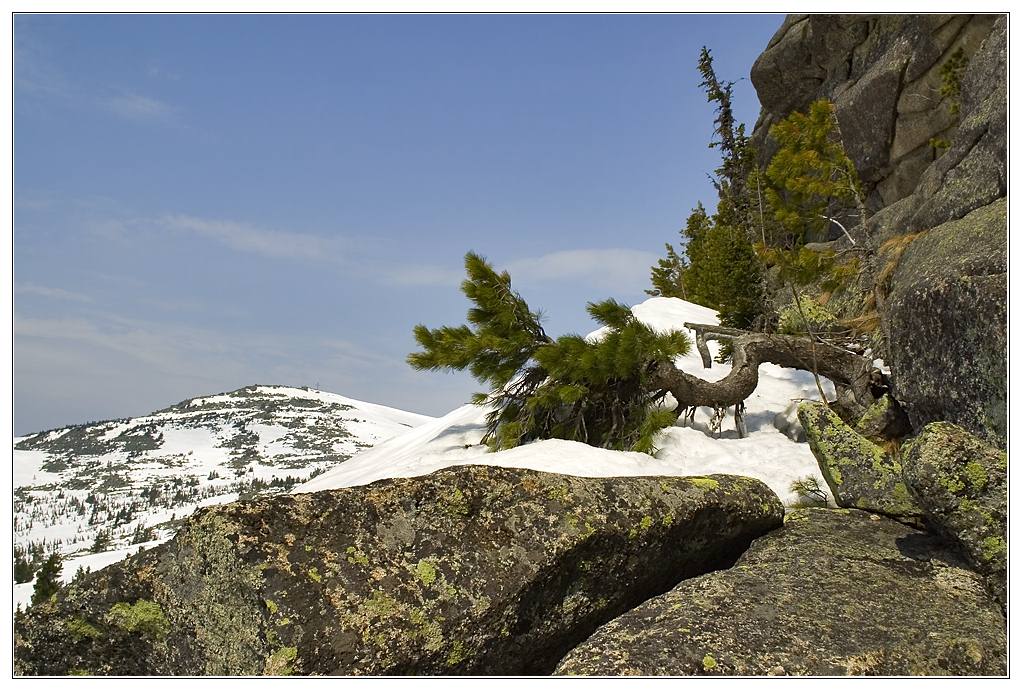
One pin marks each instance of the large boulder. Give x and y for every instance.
(474, 569)
(835, 592)
(946, 319)
(961, 483)
(859, 473)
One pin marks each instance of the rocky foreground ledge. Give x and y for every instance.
(835, 592)
(472, 570)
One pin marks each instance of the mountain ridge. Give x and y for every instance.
(105, 486)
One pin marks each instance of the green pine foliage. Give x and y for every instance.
(596, 392)
(809, 174)
(48, 579)
(952, 79)
(22, 571)
(668, 276)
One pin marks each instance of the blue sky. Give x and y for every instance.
(205, 202)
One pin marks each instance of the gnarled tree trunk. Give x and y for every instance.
(749, 350)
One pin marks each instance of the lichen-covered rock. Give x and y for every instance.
(960, 482)
(972, 172)
(473, 569)
(885, 420)
(859, 473)
(946, 322)
(835, 592)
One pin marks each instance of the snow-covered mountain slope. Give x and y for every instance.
(766, 453)
(102, 487)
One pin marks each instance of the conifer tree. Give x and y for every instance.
(720, 269)
(48, 578)
(22, 571)
(668, 276)
(597, 392)
(809, 175)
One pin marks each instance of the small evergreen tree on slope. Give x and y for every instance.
(598, 392)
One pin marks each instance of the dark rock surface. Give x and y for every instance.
(834, 592)
(929, 162)
(468, 570)
(859, 473)
(946, 323)
(961, 483)
(885, 420)
(883, 72)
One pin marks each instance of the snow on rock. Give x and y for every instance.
(765, 454)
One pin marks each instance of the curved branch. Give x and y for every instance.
(749, 351)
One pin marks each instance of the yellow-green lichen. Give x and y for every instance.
(282, 661)
(455, 504)
(271, 606)
(426, 572)
(457, 654)
(558, 492)
(142, 617)
(380, 604)
(705, 483)
(976, 475)
(356, 556)
(314, 574)
(709, 663)
(644, 525)
(428, 630)
(993, 548)
(80, 628)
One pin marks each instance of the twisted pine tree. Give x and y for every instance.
(605, 392)
(599, 392)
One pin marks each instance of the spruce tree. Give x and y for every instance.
(721, 269)
(48, 578)
(22, 571)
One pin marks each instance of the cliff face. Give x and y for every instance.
(930, 163)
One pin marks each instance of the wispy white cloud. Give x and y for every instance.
(136, 106)
(261, 241)
(37, 75)
(614, 269)
(51, 292)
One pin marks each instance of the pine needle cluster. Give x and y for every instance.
(594, 391)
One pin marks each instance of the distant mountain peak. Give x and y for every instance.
(107, 484)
